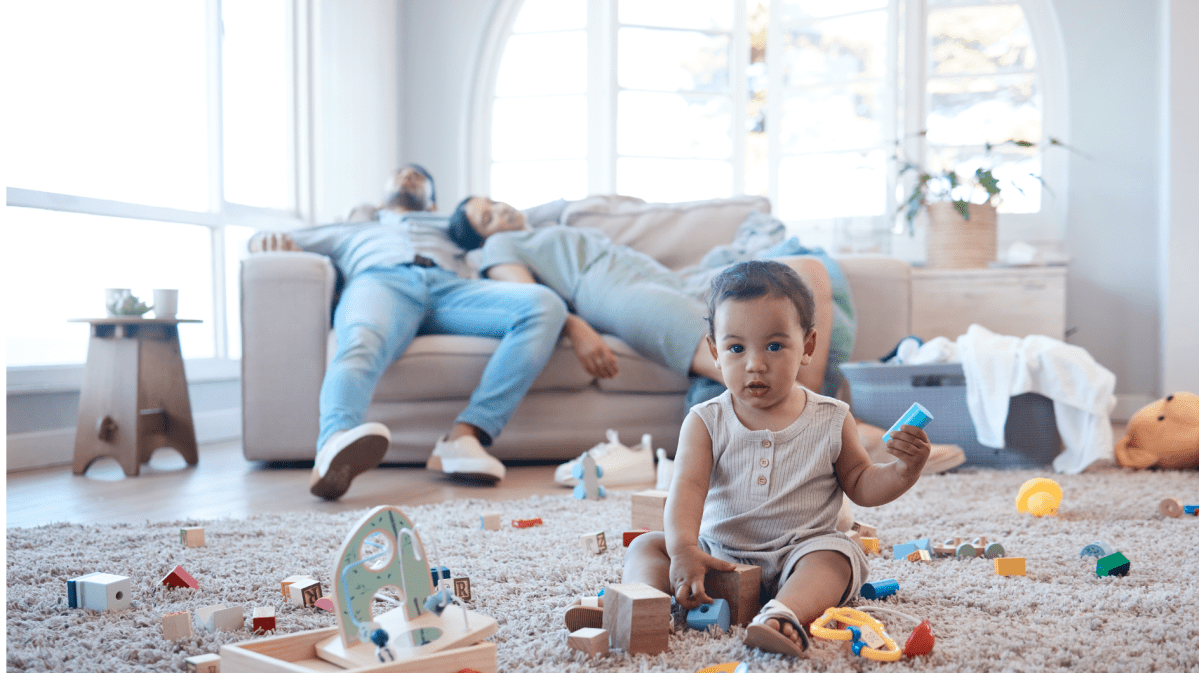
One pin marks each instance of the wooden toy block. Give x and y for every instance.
(1009, 566)
(919, 555)
(630, 535)
(288, 582)
(180, 578)
(649, 508)
(740, 588)
(595, 543)
(229, 619)
(325, 603)
(490, 520)
(204, 616)
(462, 588)
(204, 663)
(304, 592)
(192, 537)
(99, 591)
(870, 545)
(592, 642)
(177, 625)
(864, 529)
(1113, 565)
(263, 619)
(637, 618)
(1171, 507)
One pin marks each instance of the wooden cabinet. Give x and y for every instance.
(1013, 301)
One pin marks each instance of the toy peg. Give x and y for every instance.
(192, 537)
(590, 641)
(1170, 507)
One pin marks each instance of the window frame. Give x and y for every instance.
(43, 379)
(907, 41)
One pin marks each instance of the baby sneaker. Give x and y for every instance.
(621, 465)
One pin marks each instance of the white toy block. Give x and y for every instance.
(204, 663)
(304, 592)
(177, 625)
(288, 581)
(490, 520)
(595, 543)
(204, 616)
(99, 591)
(192, 537)
(229, 619)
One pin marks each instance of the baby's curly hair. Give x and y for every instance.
(760, 278)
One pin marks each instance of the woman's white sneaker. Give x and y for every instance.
(465, 457)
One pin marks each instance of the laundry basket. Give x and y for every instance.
(880, 394)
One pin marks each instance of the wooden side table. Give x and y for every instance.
(134, 398)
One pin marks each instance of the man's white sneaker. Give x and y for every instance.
(465, 457)
(345, 455)
(622, 465)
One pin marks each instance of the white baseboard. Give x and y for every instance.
(48, 448)
(1129, 404)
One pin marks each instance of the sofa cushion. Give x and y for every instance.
(675, 234)
(446, 366)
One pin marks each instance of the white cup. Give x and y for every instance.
(113, 296)
(166, 303)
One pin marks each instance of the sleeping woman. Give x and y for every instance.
(612, 289)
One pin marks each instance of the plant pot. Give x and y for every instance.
(957, 243)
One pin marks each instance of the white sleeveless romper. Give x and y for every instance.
(774, 496)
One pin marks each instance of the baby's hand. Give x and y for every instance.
(687, 570)
(911, 446)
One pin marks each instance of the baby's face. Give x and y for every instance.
(760, 346)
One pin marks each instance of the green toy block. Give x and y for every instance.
(1115, 564)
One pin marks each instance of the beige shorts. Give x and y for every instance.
(778, 564)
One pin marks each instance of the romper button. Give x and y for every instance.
(764, 462)
(765, 443)
(761, 481)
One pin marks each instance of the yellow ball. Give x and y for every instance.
(1042, 504)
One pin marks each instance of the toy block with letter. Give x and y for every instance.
(739, 587)
(596, 543)
(177, 625)
(204, 663)
(918, 555)
(287, 582)
(263, 619)
(180, 578)
(304, 592)
(99, 591)
(864, 529)
(589, 641)
(192, 537)
(649, 508)
(637, 618)
(462, 588)
(1009, 566)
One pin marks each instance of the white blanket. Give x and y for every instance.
(998, 367)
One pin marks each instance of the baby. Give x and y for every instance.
(760, 471)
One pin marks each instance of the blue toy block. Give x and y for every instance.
(1191, 509)
(717, 612)
(923, 543)
(901, 551)
(879, 589)
(916, 415)
(445, 573)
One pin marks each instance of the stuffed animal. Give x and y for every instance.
(1163, 434)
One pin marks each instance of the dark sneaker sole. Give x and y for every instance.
(357, 457)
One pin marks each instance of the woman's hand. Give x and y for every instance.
(687, 571)
(593, 353)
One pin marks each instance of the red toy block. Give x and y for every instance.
(630, 535)
(180, 578)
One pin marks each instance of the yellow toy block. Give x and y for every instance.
(870, 544)
(1009, 566)
(919, 555)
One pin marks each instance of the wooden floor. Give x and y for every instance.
(225, 484)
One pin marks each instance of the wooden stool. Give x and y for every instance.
(134, 397)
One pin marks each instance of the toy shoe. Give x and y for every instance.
(465, 457)
(345, 455)
(621, 465)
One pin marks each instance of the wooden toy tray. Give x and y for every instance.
(296, 653)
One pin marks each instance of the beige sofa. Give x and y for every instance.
(286, 341)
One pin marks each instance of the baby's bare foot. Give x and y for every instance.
(784, 627)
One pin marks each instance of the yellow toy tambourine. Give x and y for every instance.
(869, 637)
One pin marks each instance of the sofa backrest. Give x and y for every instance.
(675, 234)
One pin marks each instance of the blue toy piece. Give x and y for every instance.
(901, 551)
(577, 471)
(580, 492)
(717, 612)
(922, 543)
(879, 589)
(916, 415)
(445, 573)
(439, 600)
(588, 474)
(1097, 549)
(1191, 509)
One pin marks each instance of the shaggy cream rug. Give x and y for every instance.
(1058, 616)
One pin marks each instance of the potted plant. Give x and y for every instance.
(961, 211)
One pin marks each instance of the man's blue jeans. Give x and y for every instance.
(383, 309)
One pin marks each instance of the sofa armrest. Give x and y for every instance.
(882, 302)
(286, 303)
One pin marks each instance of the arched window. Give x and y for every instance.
(808, 102)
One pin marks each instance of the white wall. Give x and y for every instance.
(1113, 232)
